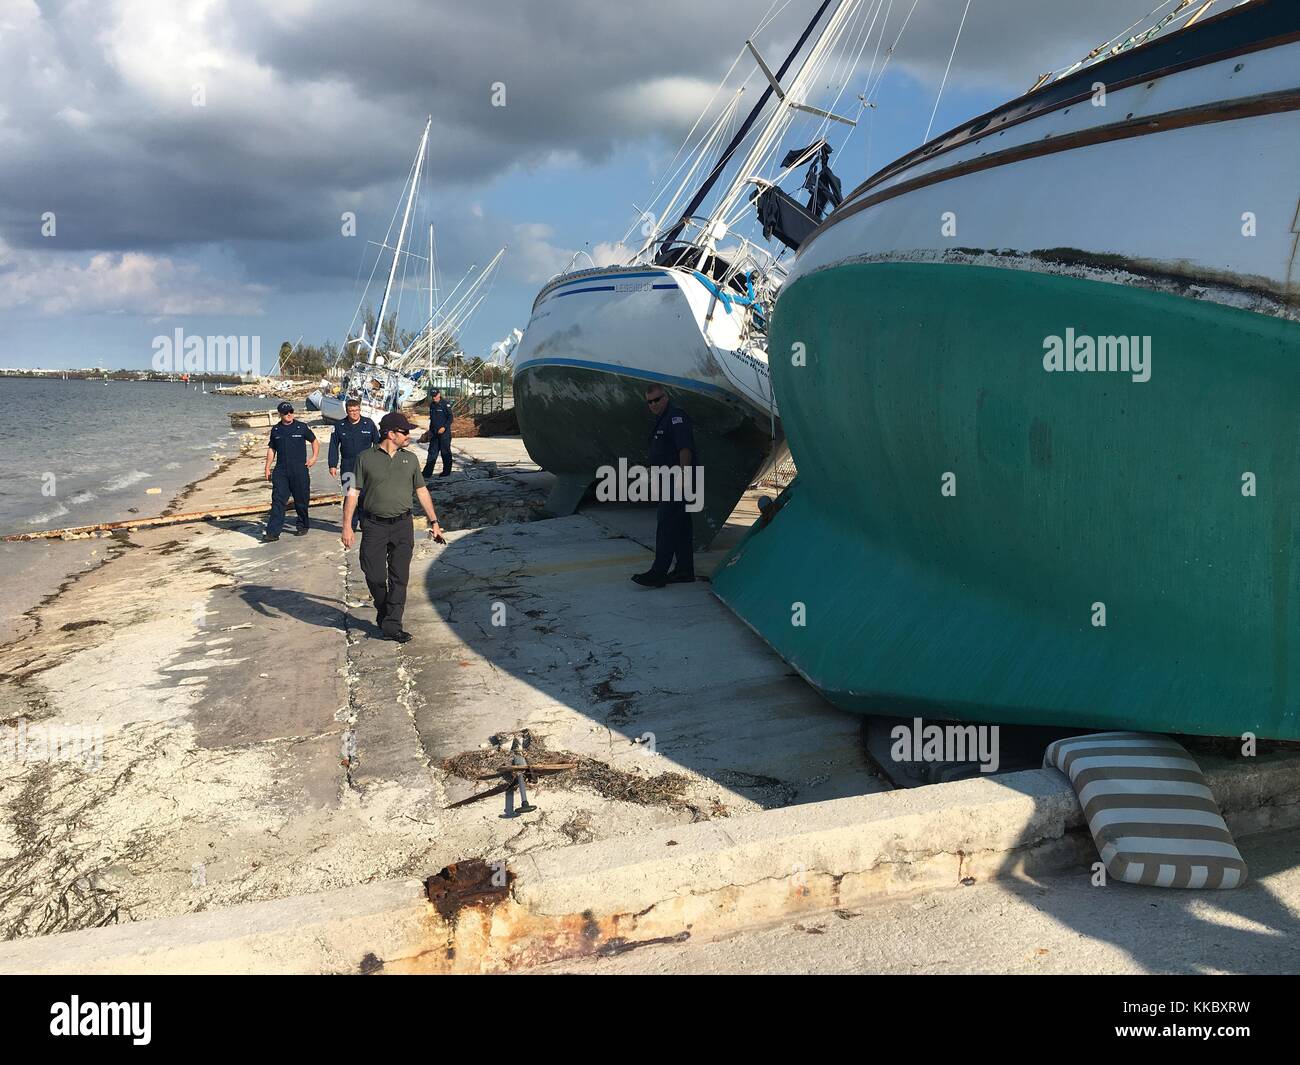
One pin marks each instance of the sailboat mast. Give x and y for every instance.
(401, 238)
(430, 301)
(742, 132)
(794, 95)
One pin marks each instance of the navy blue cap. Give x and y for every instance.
(285, 407)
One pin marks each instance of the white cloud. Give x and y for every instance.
(657, 104)
(313, 107)
(532, 257)
(74, 117)
(607, 253)
(118, 283)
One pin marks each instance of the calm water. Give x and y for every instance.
(104, 445)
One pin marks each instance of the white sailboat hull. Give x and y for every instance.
(374, 406)
(595, 341)
(1147, 210)
(666, 325)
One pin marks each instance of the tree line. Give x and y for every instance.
(311, 360)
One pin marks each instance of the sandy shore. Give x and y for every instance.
(37, 569)
(228, 728)
(201, 689)
(110, 650)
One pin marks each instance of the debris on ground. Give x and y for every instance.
(497, 423)
(662, 789)
(270, 387)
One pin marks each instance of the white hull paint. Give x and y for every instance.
(333, 408)
(1168, 210)
(650, 323)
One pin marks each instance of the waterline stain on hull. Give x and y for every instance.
(1072, 489)
(575, 420)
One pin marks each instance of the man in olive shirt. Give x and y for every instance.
(389, 475)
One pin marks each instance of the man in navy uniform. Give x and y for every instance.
(672, 443)
(388, 476)
(439, 434)
(287, 447)
(351, 436)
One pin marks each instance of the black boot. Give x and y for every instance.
(650, 579)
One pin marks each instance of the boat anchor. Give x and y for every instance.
(519, 774)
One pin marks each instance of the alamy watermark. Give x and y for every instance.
(48, 743)
(178, 353)
(121, 1019)
(919, 742)
(1075, 353)
(651, 484)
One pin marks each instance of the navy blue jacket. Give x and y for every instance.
(672, 432)
(439, 418)
(350, 440)
(289, 442)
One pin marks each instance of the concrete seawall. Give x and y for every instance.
(702, 881)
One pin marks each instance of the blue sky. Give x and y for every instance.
(224, 219)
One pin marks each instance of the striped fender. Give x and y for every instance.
(1150, 811)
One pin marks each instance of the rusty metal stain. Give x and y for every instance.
(1274, 296)
(471, 883)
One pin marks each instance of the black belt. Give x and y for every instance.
(386, 521)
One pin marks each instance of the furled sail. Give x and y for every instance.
(781, 215)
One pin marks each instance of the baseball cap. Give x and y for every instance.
(394, 420)
(285, 408)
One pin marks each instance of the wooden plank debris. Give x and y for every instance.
(243, 510)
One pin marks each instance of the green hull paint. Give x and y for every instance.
(574, 420)
(1071, 489)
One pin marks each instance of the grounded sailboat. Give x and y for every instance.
(688, 309)
(379, 386)
(387, 382)
(1048, 451)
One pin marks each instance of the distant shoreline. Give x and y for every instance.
(142, 376)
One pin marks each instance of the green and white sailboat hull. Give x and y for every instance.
(986, 525)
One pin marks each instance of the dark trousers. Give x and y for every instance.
(439, 443)
(386, 547)
(285, 483)
(674, 537)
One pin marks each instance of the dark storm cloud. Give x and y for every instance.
(313, 108)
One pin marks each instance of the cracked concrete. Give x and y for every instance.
(259, 743)
(693, 884)
(215, 674)
(1062, 923)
